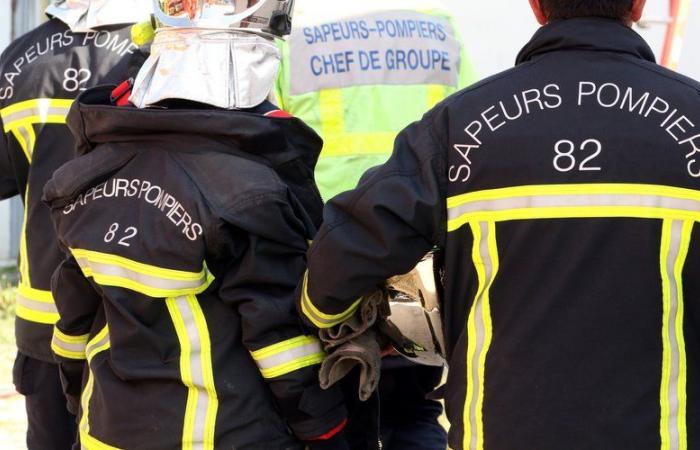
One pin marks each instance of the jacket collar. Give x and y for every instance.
(94, 121)
(587, 34)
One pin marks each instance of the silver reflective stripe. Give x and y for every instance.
(69, 346)
(39, 111)
(674, 349)
(480, 325)
(197, 372)
(150, 281)
(289, 356)
(36, 306)
(27, 137)
(573, 201)
(311, 313)
(93, 346)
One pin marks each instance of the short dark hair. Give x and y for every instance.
(568, 9)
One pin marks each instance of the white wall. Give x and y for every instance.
(690, 61)
(495, 31)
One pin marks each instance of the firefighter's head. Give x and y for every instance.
(628, 11)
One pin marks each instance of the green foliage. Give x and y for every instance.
(8, 282)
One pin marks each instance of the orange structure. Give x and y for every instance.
(679, 13)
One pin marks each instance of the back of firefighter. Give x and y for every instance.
(186, 223)
(564, 195)
(42, 72)
(357, 73)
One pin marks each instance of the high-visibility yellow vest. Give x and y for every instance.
(359, 72)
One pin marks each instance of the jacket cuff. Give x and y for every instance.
(336, 441)
(335, 431)
(320, 420)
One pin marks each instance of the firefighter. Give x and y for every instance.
(186, 221)
(564, 195)
(82, 45)
(358, 73)
(390, 60)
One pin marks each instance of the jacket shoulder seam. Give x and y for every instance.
(678, 79)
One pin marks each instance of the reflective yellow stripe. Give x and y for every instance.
(23, 253)
(31, 139)
(35, 305)
(288, 356)
(21, 117)
(95, 345)
(23, 138)
(337, 141)
(574, 201)
(70, 347)
(675, 242)
(479, 332)
(357, 144)
(113, 270)
(88, 442)
(331, 112)
(196, 371)
(40, 110)
(321, 319)
(98, 344)
(436, 94)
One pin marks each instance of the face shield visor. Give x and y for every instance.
(87, 15)
(267, 18)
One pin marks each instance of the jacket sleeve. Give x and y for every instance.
(382, 228)
(8, 181)
(269, 262)
(77, 303)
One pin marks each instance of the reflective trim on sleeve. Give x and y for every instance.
(675, 242)
(574, 201)
(320, 319)
(113, 270)
(196, 371)
(288, 356)
(97, 344)
(479, 332)
(70, 347)
(36, 306)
